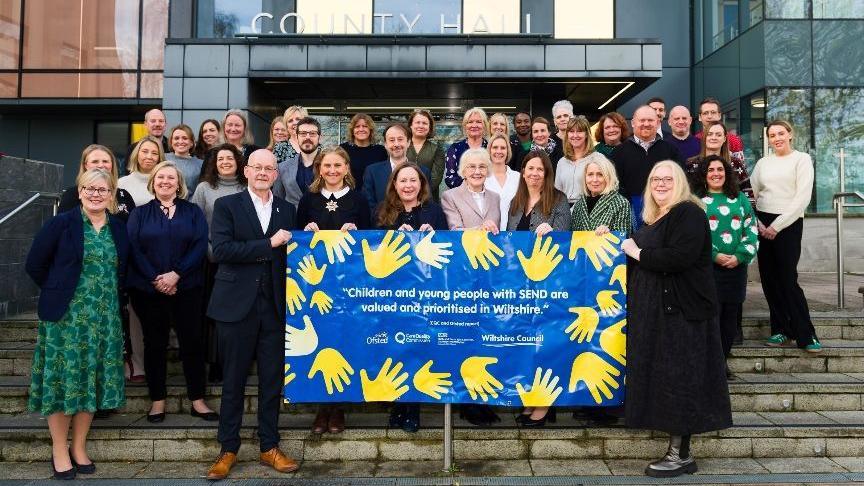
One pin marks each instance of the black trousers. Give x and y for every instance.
(778, 266)
(157, 311)
(729, 323)
(259, 336)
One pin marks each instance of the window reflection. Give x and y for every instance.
(9, 85)
(79, 85)
(154, 30)
(10, 32)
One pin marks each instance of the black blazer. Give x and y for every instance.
(241, 248)
(57, 257)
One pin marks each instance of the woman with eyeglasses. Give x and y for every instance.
(423, 150)
(78, 259)
(168, 236)
(676, 372)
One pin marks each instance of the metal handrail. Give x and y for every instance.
(839, 201)
(31, 200)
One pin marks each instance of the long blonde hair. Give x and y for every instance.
(651, 211)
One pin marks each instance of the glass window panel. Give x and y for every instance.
(154, 30)
(751, 127)
(721, 22)
(584, 19)
(753, 14)
(10, 33)
(79, 85)
(225, 18)
(537, 17)
(334, 16)
(787, 59)
(787, 9)
(838, 9)
(114, 135)
(151, 85)
(8, 85)
(491, 16)
(839, 123)
(794, 106)
(89, 34)
(414, 16)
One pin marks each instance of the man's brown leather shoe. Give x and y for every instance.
(278, 461)
(219, 470)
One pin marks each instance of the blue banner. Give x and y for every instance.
(455, 316)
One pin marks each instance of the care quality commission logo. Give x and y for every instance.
(416, 338)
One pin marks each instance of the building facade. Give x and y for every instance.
(74, 73)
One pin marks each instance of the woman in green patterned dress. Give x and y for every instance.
(78, 260)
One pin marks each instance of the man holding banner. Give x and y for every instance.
(249, 234)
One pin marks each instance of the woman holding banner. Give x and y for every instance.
(408, 206)
(601, 208)
(332, 203)
(676, 372)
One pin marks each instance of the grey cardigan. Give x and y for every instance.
(559, 220)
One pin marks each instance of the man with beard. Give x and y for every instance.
(396, 139)
(295, 173)
(520, 142)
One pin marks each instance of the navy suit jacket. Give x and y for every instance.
(56, 259)
(375, 181)
(241, 249)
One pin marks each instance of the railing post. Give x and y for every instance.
(841, 300)
(448, 437)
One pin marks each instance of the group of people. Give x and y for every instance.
(194, 238)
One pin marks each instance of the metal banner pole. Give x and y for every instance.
(448, 437)
(841, 282)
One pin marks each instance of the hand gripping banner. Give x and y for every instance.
(455, 316)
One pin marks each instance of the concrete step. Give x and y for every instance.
(749, 392)
(129, 437)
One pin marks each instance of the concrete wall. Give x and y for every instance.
(20, 179)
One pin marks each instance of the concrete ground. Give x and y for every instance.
(820, 289)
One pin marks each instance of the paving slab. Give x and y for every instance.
(415, 469)
(729, 466)
(520, 467)
(796, 418)
(855, 417)
(799, 465)
(627, 467)
(173, 470)
(336, 469)
(851, 464)
(569, 467)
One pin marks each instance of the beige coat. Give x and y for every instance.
(462, 211)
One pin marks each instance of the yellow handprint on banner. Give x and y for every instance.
(433, 254)
(614, 342)
(619, 274)
(479, 249)
(289, 377)
(582, 329)
(334, 369)
(429, 383)
(311, 273)
(597, 248)
(293, 295)
(290, 247)
(389, 256)
(597, 374)
(300, 342)
(337, 243)
(543, 391)
(387, 386)
(477, 380)
(609, 307)
(543, 259)
(322, 301)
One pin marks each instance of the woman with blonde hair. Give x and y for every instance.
(144, 157)
(601, 208)
(97, 156)
(236, 131)
(78, 259)
(291, 147)
(423, 150)
(362, 147)
(502, 179)
(499, 125)
(676, 371)
(475, 126)
(578, 152)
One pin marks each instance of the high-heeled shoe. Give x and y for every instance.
(551, 416)
(156, 418)
(83, 468)
(210, 416)
(63, 475)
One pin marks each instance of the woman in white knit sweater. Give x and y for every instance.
(782, 185)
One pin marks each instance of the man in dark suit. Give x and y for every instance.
(249, 234)
(396, 137)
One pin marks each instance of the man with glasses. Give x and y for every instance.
(636, 156)
(710, 113)
(249, 234)
(295, 173)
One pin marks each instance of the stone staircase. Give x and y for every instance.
(787, 404)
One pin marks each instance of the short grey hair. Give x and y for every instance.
(478, 154)
(562, 105)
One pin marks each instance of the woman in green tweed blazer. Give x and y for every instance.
(601, 208)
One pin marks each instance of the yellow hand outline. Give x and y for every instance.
(596, 373)
(433, 254)
(619, 274)
(322, 301)
(334, 369)
(479, 249)
(388, 257)
(290, 247)
(582, 329)
(301, 342)
(477, 380)
(293, 294)
(543, 391)
(609, 307)
(337, 243)
(596, 247)
(387, 386)
(429, 383)
(543, 259)
(311, 273)
(613, 342)
(289, 377)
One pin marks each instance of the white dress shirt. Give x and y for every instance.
(262, 209)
